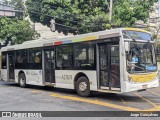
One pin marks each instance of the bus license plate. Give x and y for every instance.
(144, 86)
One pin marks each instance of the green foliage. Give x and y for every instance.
(85, 15)
(16, 30)
(127, 12)
(88, 15)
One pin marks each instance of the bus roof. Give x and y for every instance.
(69, 39)
(136, 29)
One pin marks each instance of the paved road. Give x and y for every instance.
(36, 98)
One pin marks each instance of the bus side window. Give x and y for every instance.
(38, 57)
(64, 57)
(21, 56)
(31, 56)
(4, 60)
(35, 58)
(84, 55)
(59, 57)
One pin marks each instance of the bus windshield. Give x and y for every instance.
(141, 57)
(128, 34)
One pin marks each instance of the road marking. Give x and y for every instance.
(154, 93)
(35, 91)
(123, 101)
(96, 102)
(157, 108)
(153, 104)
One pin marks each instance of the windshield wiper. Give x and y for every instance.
(137, 67)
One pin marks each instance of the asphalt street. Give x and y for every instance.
(38, 98)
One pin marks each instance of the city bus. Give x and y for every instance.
(158, 58)
(116, 61)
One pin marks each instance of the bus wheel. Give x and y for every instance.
(22, 80)
(83, 86)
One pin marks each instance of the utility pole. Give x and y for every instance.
(110, 10)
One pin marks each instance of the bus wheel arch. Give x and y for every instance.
(82, 84)
(22, 79)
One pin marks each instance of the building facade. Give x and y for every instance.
(9, 11)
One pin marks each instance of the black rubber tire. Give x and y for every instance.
(85, 93)
(22, 76)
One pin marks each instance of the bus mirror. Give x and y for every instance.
(127, 47)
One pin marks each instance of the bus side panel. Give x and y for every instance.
(33, 77)
(65, 78)
(4, 74)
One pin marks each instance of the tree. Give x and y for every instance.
(16, 31)
(88, 15)
(75, 15)
(127, 12)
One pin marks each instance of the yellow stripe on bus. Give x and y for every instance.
(137, 29)
(84, 39)
(143, 78)
(90, 38)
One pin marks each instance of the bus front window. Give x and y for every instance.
(141, 58)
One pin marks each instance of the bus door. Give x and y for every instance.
(109, 71)
(11, 66)
(49, 66)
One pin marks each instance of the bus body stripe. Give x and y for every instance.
(90, 38)
(85, 39)
(137, 29)
(67, 41)
(58, 43)
(77, 40)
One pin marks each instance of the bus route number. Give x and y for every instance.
(67, 77)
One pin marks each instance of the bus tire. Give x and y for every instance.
(83, 86)
(22, 80)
